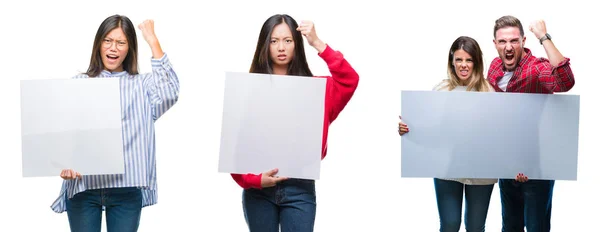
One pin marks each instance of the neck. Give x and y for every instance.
(119, 69)
(280, 70)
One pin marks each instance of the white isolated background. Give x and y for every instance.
(394, 46)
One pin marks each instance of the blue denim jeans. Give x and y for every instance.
(526, 204)
(291, 204)
(123, 210)
(449, 195)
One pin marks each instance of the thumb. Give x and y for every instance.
(272, 172)
(280, 178)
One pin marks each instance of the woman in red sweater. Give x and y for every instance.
(269, 200)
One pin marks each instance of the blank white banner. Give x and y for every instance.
(71, 124)
(490, 135)
(272, 121)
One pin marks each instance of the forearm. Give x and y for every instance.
(320, 46)
(552, 52)
(157, 51)
(247, 181)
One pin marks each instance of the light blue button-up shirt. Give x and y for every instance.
(144, 98)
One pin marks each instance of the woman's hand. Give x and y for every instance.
(402, 128)
(147, 28)
(269, 179)
(521, 178)
(69, 174)
(307, 28)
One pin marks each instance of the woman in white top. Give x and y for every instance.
(465, 73)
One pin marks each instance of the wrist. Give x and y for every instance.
(157, 51)
(152, 41)
(319, 45)
(545, 37)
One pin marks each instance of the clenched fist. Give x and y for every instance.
(307, 28)
(538, 28)
(147, 28)
(69, 174)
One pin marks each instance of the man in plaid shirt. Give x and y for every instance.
(526, 203)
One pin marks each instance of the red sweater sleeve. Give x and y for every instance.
(247, 181)
(342, 83)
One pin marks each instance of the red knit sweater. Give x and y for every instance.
(340, 87)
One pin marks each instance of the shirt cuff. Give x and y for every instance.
(566, 61)
(161, 62)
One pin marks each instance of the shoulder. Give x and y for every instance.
(496, 64)
(80, 76)
(495, 69)
(530, 59)
(490, 88)
(442, 86)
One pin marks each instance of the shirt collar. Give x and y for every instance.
(106, 73)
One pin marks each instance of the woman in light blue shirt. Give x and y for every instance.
(144, 98)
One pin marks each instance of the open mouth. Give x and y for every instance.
(464, 72)
(112, 57)
(510, 56)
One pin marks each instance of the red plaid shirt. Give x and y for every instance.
(533, 75)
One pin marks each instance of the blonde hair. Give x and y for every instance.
(477, 83)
